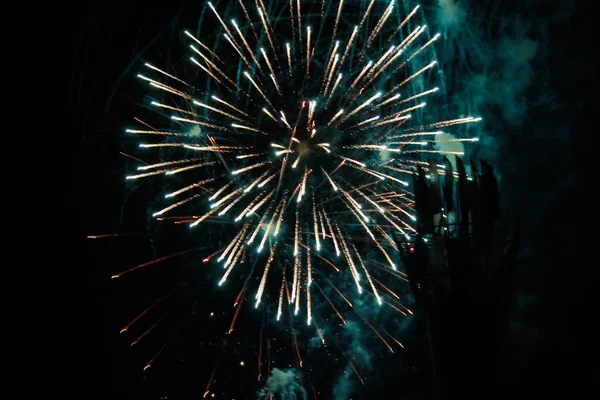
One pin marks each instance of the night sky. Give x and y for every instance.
(516, 65)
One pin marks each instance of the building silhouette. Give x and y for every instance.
(459, 266)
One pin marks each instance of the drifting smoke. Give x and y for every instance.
(282, 385)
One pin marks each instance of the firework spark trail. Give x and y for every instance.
(353, 102)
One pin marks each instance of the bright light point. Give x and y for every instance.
(437, 35)
(247, 74)
(259, 249)
(413, 218)
(221, 282)
(394, 266)
(242, 363)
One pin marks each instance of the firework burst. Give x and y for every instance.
(301, 129)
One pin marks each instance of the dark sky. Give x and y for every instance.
(533, 155)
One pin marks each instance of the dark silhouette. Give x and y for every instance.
(459, 268)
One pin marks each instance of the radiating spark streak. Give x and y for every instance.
(385, 253)
(433, 39)
(195, 122)
(348, 46)
(151, 262)
(146, 311)
(283, 205)
(145, 132)
(203, 68)
(256, 181)
(366, 121)
(204, 217)
(416, 96)
(464, 140)
(308, 284)
(224, 199)
(235, 240)
(275, 83)
(458, 153)
(299, 15)
(149, 364)
(206, 48)
(167, 163)
(164, 87)
(329, 62)
(266, 29)
(380, 23)
(266, 57)
(147, 331)
(170, 89)
(374, 330)
(165, 73)
(333, 185)
(237, 312)
(261, 222)
(182, 169)
(335, 85)
(152, 145)
(220, 191)
(374, 70)
(395, 118)
(280, 303)
(363, 105)
(223, 24)
(219, 111)
(297, 231)
(350, 261)
(419, 72)
(316, 226)
(296, 339)
(353, 161)
(284, 120)
(111, 235)
(263, 280)
(247, 75)
(249, 206)
(269, 114)
(172, 206)
(383, 103)
(307, 50)
(451, 122)
(249, 155)
(268, 230)
(397, 309)
(335, 117)
(351, 365)
(335, 244)
(331, 71)
(259, 205)
(263, 183)
(289, 57)
(332, 305)
(230, 268)
(212, 377)
(322, 222)
(247, 45)
(156, 104)
(367, 274)
(386, 288)
(229, 105)
(319, 332)
(250, 167)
